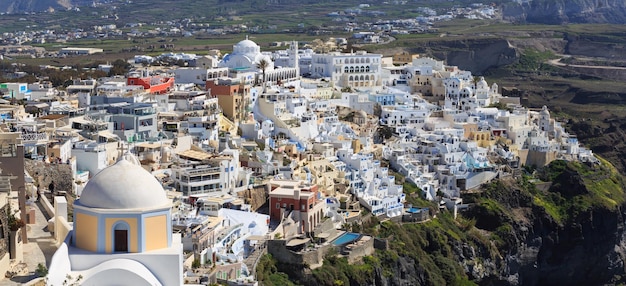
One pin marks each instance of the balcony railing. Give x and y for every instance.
(34, 136)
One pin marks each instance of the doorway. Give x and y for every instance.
(120, 239)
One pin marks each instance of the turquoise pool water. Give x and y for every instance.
(346, 238)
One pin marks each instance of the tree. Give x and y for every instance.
(41, 270)
(195, 264)
(384, 132)
(263, 64)
(120, 67)
(14, 223)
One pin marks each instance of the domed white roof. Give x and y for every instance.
(246, 44)
(123, 186)
(360, 114)
(482, 84)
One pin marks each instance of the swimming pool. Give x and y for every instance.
(346, 238)
(413, 210)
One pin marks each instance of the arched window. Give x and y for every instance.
(367, 60)
(367, 69)
(345, 69)
(362, 68)
(351, 69)
(120, 236)
(351, 78)
(362, 78)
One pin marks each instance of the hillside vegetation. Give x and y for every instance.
(560, 225)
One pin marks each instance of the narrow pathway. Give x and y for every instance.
(39, 249)
(556, 62)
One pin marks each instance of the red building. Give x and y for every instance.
(153, 84)
(300, 200)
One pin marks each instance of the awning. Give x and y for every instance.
(149, 145)
(298, 241)
(108, 135)
(256, 237)
(194, 155)
(323, 235)
(38, 105)
(80, 121)
(66, 128)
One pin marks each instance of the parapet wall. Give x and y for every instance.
(313, 257)
(360, 249)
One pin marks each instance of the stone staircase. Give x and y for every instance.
(253, 259)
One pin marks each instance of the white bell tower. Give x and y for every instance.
(293, 56)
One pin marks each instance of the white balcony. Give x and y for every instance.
(34, 138)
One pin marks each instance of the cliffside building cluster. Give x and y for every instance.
(172, 169)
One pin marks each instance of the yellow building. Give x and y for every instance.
(482, 138)
(232, 97)
(404, 58)
(122, 233)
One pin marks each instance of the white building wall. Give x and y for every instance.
(349, 69)
(190, 75)
(93, 162)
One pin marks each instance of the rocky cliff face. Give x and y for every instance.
(566, 11)
(571, 232)
(476, 55)
(20, 6)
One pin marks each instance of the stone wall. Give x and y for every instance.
(62, 228)
(381, 244)
(45, 173)
(313, 257)
(4, 241)
(421, 215)
(45, 202)
(366, 218)
(326, 226)
(361, 248)
(257, 196)
(540, 159)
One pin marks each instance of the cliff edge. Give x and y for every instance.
(558, 12)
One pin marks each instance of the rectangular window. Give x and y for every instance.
(277, 205)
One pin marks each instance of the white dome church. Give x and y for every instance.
(122, 232)
(245, 56)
